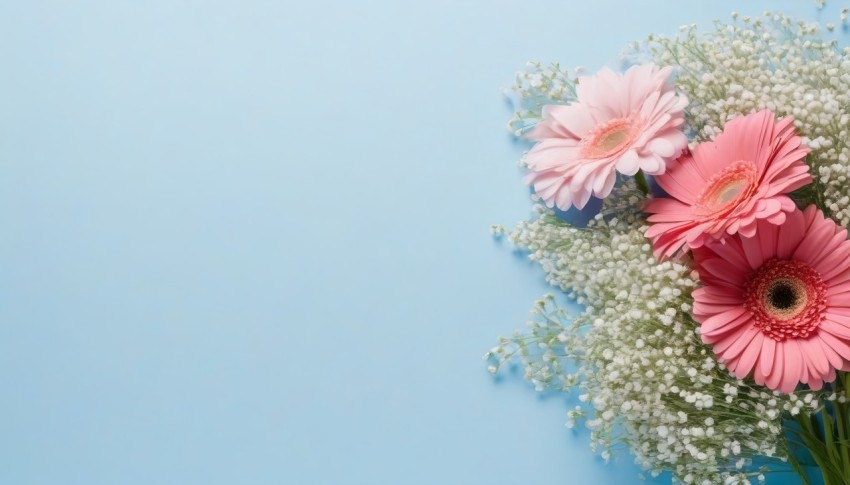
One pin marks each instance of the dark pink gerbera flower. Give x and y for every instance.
(777, 305)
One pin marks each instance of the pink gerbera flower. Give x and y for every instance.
(619, 123)
(727, 185)
(777, 305)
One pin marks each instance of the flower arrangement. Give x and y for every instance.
(714, 336)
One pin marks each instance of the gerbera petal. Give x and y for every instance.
(790, 234)
(841, 275)
(722, 270)
(553, 153)
(758, 375)
(812, 350)
(679, 180)
(839, 346)
(837, 318)
(576, 119)
(706, 308)
(629, 162)
(766, 357)
(811, 247)
(767, 240)
(815, 382)
(720, 325)
(752, 251)
(718, 295)
(667, 210)
(792, 366)
(835, 252)
(776, 219)
(839, 308)
(749, 356)
(789, 180)
(651, 163)
(602, 185)
(774, 378)
(747, 228)
(835, 328)
(733, 344)
(805, 367)
(835, 360)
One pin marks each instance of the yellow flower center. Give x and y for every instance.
(608, 139)
(728, 188)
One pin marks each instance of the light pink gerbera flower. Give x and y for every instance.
(725, 186)
(619, 123)
(777, 305)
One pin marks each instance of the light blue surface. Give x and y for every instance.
(247, 242)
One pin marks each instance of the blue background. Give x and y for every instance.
(247, 241)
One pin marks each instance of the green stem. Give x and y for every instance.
(795, 465)
(827, 439)
(642, 184)
(821, 447)
(843, 432)
(842, 411)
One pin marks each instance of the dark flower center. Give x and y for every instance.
(785, 298)
(782, 295)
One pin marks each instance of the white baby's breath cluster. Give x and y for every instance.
(771, 62)
(635, 355)
(536, 86)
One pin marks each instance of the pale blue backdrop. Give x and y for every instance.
(246, 242)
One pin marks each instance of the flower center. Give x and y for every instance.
(786, 299)
(784, 294)
(608, 138)
(728, 188)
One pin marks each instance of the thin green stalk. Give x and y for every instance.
(819, 449)
(828, 439)
(798, 468)
(842, 411)
(642, 184)
(841, 420)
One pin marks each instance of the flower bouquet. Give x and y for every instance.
(713, 339)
